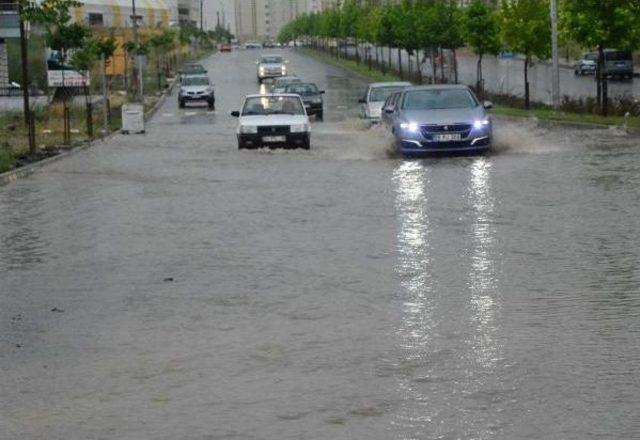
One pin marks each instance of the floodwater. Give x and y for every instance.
(167, 286)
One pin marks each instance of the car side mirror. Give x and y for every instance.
(362, 101)
(321, 92)
(235, 114)
(487, 104)
(389, 109)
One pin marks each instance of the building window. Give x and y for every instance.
(96, 19)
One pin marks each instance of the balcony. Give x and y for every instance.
(9, 22)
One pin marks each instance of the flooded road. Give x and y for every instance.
(168, 286)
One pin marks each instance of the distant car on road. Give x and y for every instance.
(271, 66)
(192, 69)
(586, 65)
(375, 96)
(224, 47)
(311, 97)
(439, 119)
(253, 45)
(281, 83)
(618, 63)
(272, 121)
(196, 88)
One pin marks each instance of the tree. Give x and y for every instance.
(526, 29)
(602, 24)
(481, 31)
(83, 60)
(450, 18)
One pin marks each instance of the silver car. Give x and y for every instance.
(375, 97)
(280, 84)
(271, 66)
(196, 88)
(439, 119)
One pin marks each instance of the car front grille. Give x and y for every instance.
(429, 131)
(274, 129)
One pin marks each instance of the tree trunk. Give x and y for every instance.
(369, 58)
(434, 67)
(89, 112)
(357, 52)
(442, 78)
(390, 66)
(400, 62)
(604, 82)
(527, 103)
(378, 58)
(479, 87)
(455, 66)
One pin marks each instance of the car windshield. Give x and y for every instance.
(591, 57)
(195, 81)
(285, 81)
(380, 94)
(273, 105)
(617, 55)
(438, 99)
(193, 68)
(271, 60)
(302, 89)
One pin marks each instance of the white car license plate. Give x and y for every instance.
(448, 137)
(274, 139)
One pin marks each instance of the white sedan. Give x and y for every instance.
(273, 121)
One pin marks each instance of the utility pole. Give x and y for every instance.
(201, 14)
(28, 117)
(25, 66)
(555, 74)
(105, 99)
(138, 65)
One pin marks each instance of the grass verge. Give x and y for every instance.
(373, 75)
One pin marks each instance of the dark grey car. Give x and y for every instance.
(439, 119)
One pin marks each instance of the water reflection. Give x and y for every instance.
(485, 303)
(414, 261)
(21, 220)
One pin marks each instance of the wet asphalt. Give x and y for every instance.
(168, 286)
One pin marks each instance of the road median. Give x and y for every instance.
(540, 111)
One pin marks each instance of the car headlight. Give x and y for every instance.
(284, 69)
(248, 129)
(411, 127)
(299, 128)
(481, 123)
(261, 70)
(317, 100)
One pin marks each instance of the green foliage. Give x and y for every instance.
(480, 28)
(526, 27)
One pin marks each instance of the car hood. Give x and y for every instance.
(186, 89)
(259, 120)
(271, 65)
(588, 62)
(444, 116)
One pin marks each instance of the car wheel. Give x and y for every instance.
(320, 116)
(576, 73)
(212, 105)
(306, 145)
(240, 146)
(181, 104)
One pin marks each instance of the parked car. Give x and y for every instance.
(375, 96)
(253, 45)
(272, 121)
(586, 65)
(618, 63)
(271, 66)
(311, 97)
(281, 83)
(439, 119)
(192, 69)
(196, 88)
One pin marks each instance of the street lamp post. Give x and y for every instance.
(137, 96)
(555, 74)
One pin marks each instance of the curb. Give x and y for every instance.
(13, 175)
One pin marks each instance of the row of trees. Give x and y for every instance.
(82, 48)
(430, 26)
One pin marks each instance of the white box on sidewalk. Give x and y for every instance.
(132, 118)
